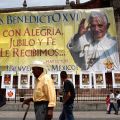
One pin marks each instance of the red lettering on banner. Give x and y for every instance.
(32, 32)
(4, 53)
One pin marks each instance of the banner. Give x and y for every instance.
(99, 80)
(49, 36)
(7, 79)
(10, 93)
(85, 80)
(116, 79)
(23, 80)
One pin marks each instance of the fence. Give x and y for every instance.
(81, 94)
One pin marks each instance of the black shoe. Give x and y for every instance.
(116, 113)
(108, 113)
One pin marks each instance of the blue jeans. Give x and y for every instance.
(41, 111)
(67, 113)
(112, 106)
(118, 104)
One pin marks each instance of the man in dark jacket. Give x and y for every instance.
(68, 98)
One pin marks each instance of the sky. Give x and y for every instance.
(30, 3)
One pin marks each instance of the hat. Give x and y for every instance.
(38, 64)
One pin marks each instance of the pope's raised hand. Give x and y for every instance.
(82, 27)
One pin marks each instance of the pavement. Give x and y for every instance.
(78, 106)
(82, 111)
(79, 115)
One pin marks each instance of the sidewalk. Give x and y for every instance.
(82, 115)
(82, 111)
(78, 106)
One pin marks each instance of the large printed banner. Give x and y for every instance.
(69, 40)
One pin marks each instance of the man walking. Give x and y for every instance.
(68, 98)
(44, 96)
(112, 102)
(118, 100)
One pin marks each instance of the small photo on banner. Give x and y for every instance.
(56, 78)
(33, 81)
(116, 79)
(99, 79)
(7, 79)
(71, 77)
(10, 93)
(23, 80)
(85, 80)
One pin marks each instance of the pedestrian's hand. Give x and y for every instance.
(50, 114)
(49, 117)
(27, 102)
(82, 27)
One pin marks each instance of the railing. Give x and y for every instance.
(81, 94)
